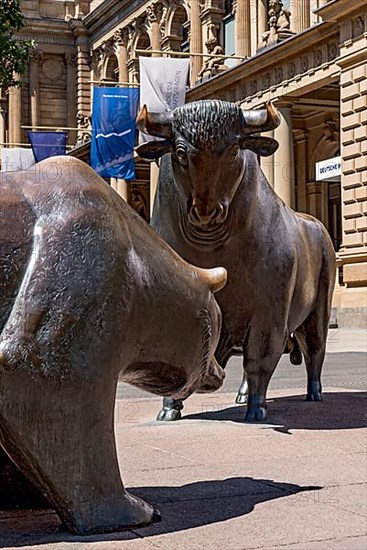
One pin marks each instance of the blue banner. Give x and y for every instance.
(47, 144)
(113, 132)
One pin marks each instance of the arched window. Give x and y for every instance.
(179, 29)
(112, 71)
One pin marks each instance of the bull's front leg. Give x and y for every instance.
(171, 409)
(258, 374)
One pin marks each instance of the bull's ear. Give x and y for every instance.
(261, 145)
(154, 149)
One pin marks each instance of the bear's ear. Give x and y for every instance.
(154, 149)
(263, 146)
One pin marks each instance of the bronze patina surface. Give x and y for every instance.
(214, 206)
(89, 290)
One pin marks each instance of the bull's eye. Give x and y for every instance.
(181, 154)
(234, 152)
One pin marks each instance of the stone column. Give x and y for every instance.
(301, 165)
(300, 15)
(154, 25)
(315, 199)
(122, 37)
(2, 126)
(83, 72)
(196, 40)
(70, 96)
(262, 21)
(154, 172)
(122, 189)
(34, 99)
(267, 163)
(284, 180)
(243, 27)
(15, 115)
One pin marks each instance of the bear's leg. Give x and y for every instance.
(61, 436)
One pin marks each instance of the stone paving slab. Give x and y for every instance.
(298, 483)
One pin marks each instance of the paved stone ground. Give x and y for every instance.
(298, 483)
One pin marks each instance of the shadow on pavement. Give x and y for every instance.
(192, 505)
(337, 411)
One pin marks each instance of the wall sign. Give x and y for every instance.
(329, 169)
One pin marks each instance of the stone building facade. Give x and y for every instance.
(309, 56)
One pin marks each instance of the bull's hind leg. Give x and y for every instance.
(242, 394)
(312, 336)
(61, 437)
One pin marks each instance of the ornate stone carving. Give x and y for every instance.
(139, 25)
(84, 127)
(291, 70)
(71, 59)
(278, 75)
(213, 65)
(163, 20)
(304, 64)
(254, 86)
(358, 27)
(96, 61)
(317, 56)
(279, 23)
(36, 54)
(266, 79)
(121, 37)
(331, 131)
(52, 68)
(333, 50)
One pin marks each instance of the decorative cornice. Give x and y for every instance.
(251, 77)
(337, 9)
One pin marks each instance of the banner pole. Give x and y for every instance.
(49, 128)
(102, 82)
(192, 54)
(26, 145)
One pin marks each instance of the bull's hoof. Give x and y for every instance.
(168, 415)
(171, 410)
(256, 414)
(314, 392)
(314, 396)
(241, 399)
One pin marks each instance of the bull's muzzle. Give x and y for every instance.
(201, 214)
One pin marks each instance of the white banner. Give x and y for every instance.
(18, 158)
(162, 85)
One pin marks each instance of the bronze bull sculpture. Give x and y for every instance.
(214, 206)
(87, 291)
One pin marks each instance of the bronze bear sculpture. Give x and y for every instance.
(87, 291)
(214, 206)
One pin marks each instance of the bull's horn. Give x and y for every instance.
(154, 124)
(261, 120)
(215, 278)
